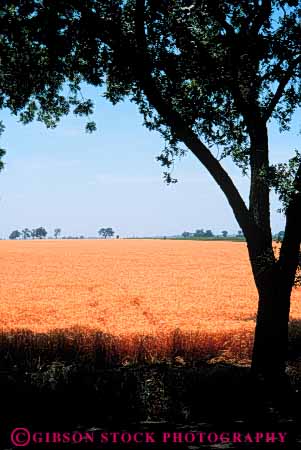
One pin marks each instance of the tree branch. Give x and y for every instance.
(217, 13)
(280, 89)
(182, 131)
(262, 16)
(202, 54)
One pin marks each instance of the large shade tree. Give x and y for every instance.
(203, 73)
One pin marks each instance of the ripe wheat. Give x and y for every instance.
(189, 296)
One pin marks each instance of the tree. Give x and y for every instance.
(280, 236)
(15, 234)
(208, 233)
(40, 232)
(224, 233)
(57, 232)
(186, 234)
(106, 232)
(26, 233)
(203, 74)
(199, 233)
(239, 234)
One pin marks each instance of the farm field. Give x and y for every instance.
(202, 291)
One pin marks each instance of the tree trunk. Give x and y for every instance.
(271, 333)
(259, 188)
(273, 285)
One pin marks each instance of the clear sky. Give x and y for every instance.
(80, 182)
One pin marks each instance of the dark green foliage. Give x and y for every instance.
(36, 80)
(204, 65)
(280, 236)
(210, 66)
(14, 234)
(106, 232)
(39, 233)
(2, 153)
(199, 233)
(186, 234)
(26, 233)
(57, 232)
(282, 177)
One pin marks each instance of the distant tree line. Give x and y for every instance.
(279, 236)
(224, 234)
(26, 233)
(40, 233)
(75, 237)
(208, 234)
(198, 233)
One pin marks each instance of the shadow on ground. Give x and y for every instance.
(164, 396)
(153, 398)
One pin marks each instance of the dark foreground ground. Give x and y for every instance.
(154, 398)
(49, 384)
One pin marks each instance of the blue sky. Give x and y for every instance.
(80, 182)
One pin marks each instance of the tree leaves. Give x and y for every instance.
(37, 51)
(282, 177)
(214, 64)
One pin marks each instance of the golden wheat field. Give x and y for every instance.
(131, 287)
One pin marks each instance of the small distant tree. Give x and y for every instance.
(106, 232)
(15, 234)
(208, 233)
(239, 234)
(26, 233)
(280, 236)
(186, 234)
(57, 232)
(40, 233)
(110, 232)
(199, 233)
(102, 232)
(224, 233)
